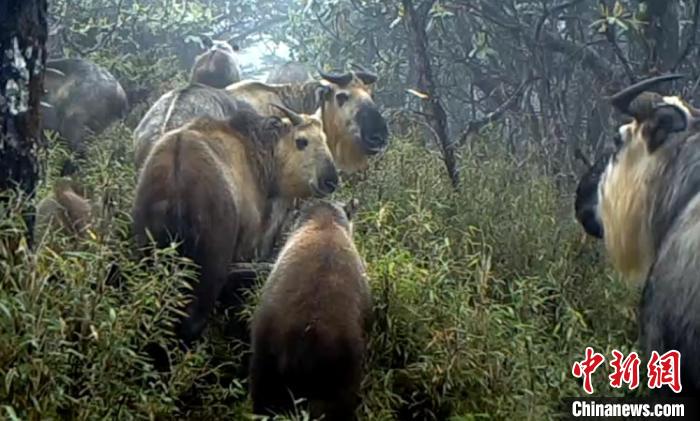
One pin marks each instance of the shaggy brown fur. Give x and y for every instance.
(65, 209)
(209, 184)
(309, 330)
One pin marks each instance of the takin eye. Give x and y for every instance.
(617, 140)
(302, 143)
(341, 98)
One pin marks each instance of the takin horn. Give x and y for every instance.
(339, 79)
(363, 74)
(55, 71)
(295, 118)
(624, 98)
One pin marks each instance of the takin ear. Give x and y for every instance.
(323, 93)
(277, 125)
(665, 119)
(351, 208)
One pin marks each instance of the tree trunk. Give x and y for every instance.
(662, 35)
(416, 21)
(23, 35)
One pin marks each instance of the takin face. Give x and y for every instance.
(290, 72)
(210, 184)
(304, 163)
(355, 128)
(81, 99)
(217, 67)
(626, 201)
(309, 330)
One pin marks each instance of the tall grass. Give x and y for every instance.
(483, 299)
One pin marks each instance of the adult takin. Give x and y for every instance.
(290, 72)
(208, 185)
(176, 108)
(309, 331)
(648, 206)
(217, 67)
(81, 99)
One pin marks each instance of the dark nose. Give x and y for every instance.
(329, 180)
(376, 140)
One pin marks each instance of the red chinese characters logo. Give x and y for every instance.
(662, 370)
(587, 367)
(626, 370)
(665, 370)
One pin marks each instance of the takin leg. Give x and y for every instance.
(267, 386)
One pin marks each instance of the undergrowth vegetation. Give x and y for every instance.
(483, 299)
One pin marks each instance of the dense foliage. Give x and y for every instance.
(484, 295)
(483, 298)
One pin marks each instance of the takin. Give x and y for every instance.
(646, 207)
(309, 331)
(209, 185)
(217, 67)
(66, 209)
(353, 124)
(290, 72)
(81, 99)
(176, 108)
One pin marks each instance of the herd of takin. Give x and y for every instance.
(234, 171)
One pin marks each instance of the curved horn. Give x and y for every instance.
(55, 71)
(622, 99)
(338, 79)
(295, 118)
(366, 77)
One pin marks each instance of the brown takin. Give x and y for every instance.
(352, 122)
(66, 210)
(309, 331)
(209, 185)
(217, 67)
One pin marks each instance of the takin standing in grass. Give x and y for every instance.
(209, 185)
(647, 207)
(66, 209)
(176, 108)
(309, 331)
(290, 72)
(217, 67)
(354, 127)
(81, 99)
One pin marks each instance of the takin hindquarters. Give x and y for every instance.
(208, 185)
(309, 330)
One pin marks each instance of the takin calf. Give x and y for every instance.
(646, 207)
(309, 329)
(209, 185)
(217, 67)
(66, 209)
